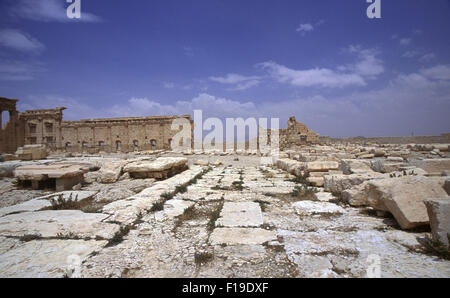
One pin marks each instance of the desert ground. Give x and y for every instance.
(331, 210)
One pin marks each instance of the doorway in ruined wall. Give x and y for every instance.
(6, 115)
(118, 145)
(153, 144)
(136, 145)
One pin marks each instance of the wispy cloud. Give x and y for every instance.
(169, 85)
(303, 29)
(319, 77)
(405, 41)
(366, 66)
(47, 11)
(12, 70)
(427, 57)
(240, 82)
(424, 95)
(20, 41)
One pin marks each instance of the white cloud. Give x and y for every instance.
(20, 41)
(405, 41)
(304, 28)
(427, 57)
(438, 72)
(308, 27)
(321, 77)
(240, 82)
(169, 85)
(368, 64)
(47, 11)
(414, 102)
(411, 54)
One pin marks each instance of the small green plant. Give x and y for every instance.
(30, 237)
(167, 196)
(64, 204)
(214, 216)
(202, 258)
(157, 206)
(301, 179)
(118, 236)
(304, 192)
(262, 204)
(181, 189)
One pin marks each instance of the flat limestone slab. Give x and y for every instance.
(46, 258)
(43, 172)
(78, 195)
(175, 208)
(57, 223)
(305, 208)
(235, 236)
(32, 205)
(44, 202)
(240, 214)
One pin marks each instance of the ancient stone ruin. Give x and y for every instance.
(109, 198)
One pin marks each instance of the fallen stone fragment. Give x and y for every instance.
(403, 198)
(354, 166)
(307, 208)
(322, 166)
(439, 214)
(65, 176)
(160, 168)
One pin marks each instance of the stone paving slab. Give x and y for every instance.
(234, 236)
(58, 223)
(240, 214)
(46, 258)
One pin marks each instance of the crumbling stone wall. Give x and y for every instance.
(46, 126)
(120, 134)
(296, 134)
(42, 127)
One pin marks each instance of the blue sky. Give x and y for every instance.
(322, 61)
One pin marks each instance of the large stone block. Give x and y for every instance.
(403, 197)
(321, 166)
(439, 214)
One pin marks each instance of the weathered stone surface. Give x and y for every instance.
(175, 208)
(43, 172)
(355, 166)
(434, 165)
(159, 168)
(316, 181)
(32, 205)
(110, 171)
(322, 166)
(447, 186)
(234, 236)
(201, 162)
(403, 197)
(113, 194)
(46, 258)
(338, 183)
(383, 166)
(308, 208)
(31, 152)
(240, 214)
(408, 240)
(439, 214)
(325, 196)
(62, 223)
